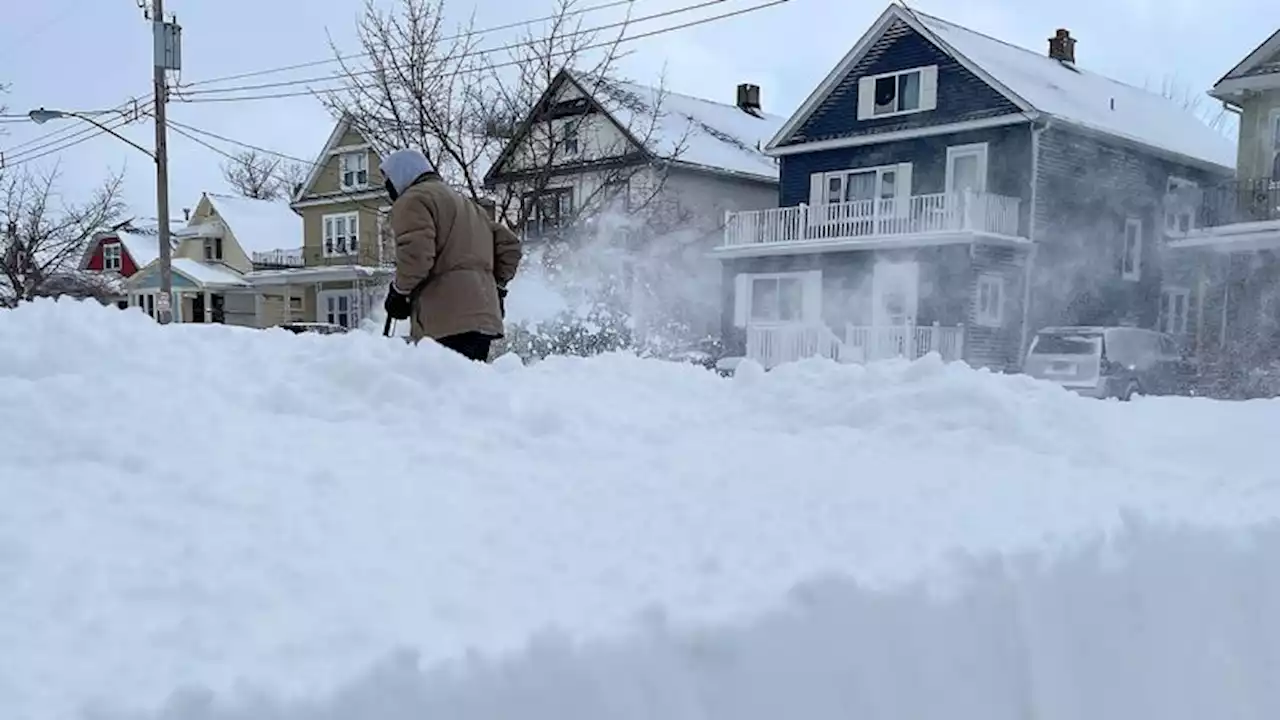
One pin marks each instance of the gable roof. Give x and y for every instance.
(685, 130)
(140, 238)
(258, 225)
(343, 126)
(1263, 60)
(1042, 86)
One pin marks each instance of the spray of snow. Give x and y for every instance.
(214, 523)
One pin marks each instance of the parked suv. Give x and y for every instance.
(1103, 362)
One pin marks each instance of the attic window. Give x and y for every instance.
(569, 141)
(213, 249)
(112, 256)
(898, 93)
(354, 169)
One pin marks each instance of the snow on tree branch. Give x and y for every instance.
(42, 241)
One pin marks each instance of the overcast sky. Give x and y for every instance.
(91, 54)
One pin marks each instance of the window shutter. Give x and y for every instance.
(929, 88)
(741, 299)
(812, 307)
(867, 97)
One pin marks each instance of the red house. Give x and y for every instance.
(122, 251)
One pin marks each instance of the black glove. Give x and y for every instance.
(398, 306)
(502, 301)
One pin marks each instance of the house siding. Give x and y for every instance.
(998, 348)
(367, 232)
(1088, 186)
(962, 95)
(1008, 163)
(1255, 152)
(127, 266)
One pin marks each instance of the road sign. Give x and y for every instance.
(162, 302)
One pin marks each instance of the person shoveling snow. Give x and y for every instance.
(452, 261)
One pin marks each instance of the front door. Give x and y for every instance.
(895, 297)
(197, 308)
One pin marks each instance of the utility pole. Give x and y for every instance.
(168, 56)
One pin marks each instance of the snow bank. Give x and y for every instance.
(270, 517)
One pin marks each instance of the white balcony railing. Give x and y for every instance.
(773, 345)
(279, 258)
(918, 214)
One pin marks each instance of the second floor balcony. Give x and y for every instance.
(860, 222)
(1197, 211)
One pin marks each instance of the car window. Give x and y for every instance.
(1065, 344)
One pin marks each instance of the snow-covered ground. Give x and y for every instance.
(210, 523)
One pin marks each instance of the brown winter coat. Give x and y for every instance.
(449, 249)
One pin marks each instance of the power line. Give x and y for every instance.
(619, 41)
(471, 54)
(88, 133)
(457, 36)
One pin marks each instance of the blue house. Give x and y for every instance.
(945, 191)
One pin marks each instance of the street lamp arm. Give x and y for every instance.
(42, 115)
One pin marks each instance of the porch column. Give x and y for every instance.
(175, 306)
(257, 309)
(208, 307)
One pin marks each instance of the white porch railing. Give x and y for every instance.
(773, 345)
(279, 258)
(918, 214)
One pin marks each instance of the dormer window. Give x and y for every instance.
(898, 93)
(354, 169)
(112, 256)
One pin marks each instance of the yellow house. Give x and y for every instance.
(345, 262)
(215, 258)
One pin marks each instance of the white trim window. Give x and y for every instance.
(787, 298)
(1175, 303)
(213, 249)
(1180, 208)
(571, 137)
(338, 307)
(341, 234)
(1274, 122)
(353, 168)
(1131, 254)
(901, 92)
(989, 300)
(112, 256)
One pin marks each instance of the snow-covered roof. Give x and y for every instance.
(693, 131)
(259, 225)
(143, 247)
(1087, 99)
(207, 273)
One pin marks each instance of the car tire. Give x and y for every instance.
(1133, 388)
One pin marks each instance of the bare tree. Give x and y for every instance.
(261, 176)
(1180, 92)
(438, 90)
(41, 245)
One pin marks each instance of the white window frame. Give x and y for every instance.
(351, 234)
(213, 249)
(1274, 125)
(979, 150)
(571, 134)
(796, 277)
(993, 314)
(359, 174)
(1175, 210)
(112, 255)
(926, 96)
(1170, 323)
(353, 307)
(810, 298)
(1134, 273)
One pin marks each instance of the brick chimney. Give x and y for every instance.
(749, 98)
(1062, 47)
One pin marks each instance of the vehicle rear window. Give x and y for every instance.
(1063, 344)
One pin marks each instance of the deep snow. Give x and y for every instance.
(256, 511)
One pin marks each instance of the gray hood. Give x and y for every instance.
(402, 167)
